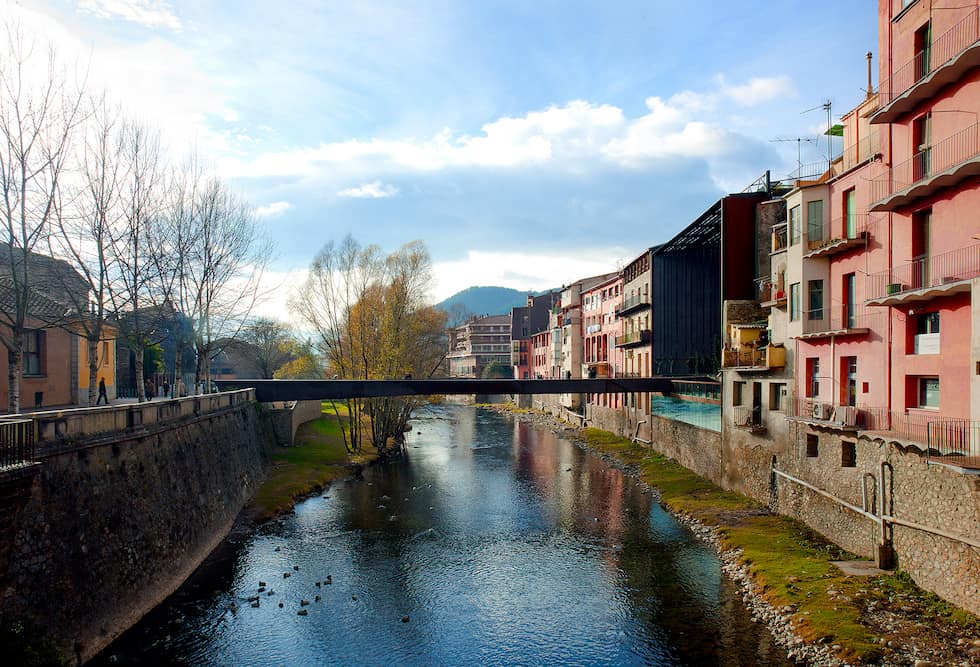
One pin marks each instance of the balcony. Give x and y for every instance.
(632, 304)
(942, 165)
(944, 61)
(747, 359)
(946, 440)
(839, 320)
(749, 418)
(635, 338)
(858, 153)
(843, 234)
(772, 294)
(925, 278)
(779, 238)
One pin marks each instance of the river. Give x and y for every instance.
(493, 542)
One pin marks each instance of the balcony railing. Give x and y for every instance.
(18, 439)
(840, 320)
(955, 442)
(772, 293)
(943, 48)
(958, 149)
(641, 337)
(940, 272)
(860, 152)
(632, 303)
(750, 418)
(840, 235)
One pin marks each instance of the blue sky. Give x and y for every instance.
(527, 143)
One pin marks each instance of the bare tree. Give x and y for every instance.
(83, 229)
(222, 268)
(40, 108)
(139, 291)
(266, 344)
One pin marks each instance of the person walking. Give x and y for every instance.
(102, 393)
(149, 388)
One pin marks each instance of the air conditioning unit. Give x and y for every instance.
(821, 411)
(845, 415)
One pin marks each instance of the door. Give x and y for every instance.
(849, 300)
(850, 381)
(921, 148)
(921, 243)
(756, 403)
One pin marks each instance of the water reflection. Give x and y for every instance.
(501, 544)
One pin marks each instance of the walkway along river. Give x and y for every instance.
(491, 542)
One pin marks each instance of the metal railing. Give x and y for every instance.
(18, 442)
(633, 301)
(746, 416)
(862, 151)
(845, 228)
(954, 441)
(943, 155)
(808, 172)
(922, 272)
(943, 48)
(743, 357)
(829, 413)
(839, 317)
(772, 292)
(640, 337)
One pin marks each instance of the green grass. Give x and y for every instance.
(318, 458)
(789, 562)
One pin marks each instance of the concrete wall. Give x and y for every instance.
(112, 523)
(287, 418)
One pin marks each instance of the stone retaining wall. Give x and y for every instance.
(111, 524)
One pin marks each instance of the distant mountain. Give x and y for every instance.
(485, 300)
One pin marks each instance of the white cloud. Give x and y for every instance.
(576, 135)
(523, 271)
(273, 210)
(147, 13)
(757, 90)
(373, 190)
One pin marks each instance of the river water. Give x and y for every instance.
(493, 542)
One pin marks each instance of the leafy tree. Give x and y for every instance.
(373, 321)
(495, 369)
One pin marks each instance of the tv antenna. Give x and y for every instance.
(826, 106)
(799, 149)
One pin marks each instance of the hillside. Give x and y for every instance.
(485, 300)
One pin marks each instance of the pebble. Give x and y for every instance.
(303, 603)
(302, 612)
(287, 575)
(405, 619)
(280, 605)
(296, 568)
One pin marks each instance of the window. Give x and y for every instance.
(921, 145)
(815, 289)
(923, 48)
(928, 392)
(776, 392)
(33, 347)
(813, 377)
(850, 300)
(812, 445)
(794, 225)
(814, 223)
(926, 337)
(848, 454)
(737, 388)
(794, 302)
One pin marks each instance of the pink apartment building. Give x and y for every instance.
(600, 327)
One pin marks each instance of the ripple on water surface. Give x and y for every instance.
(496, 542)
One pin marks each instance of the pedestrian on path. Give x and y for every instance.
(102, 393)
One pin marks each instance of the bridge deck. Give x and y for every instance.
(298, 390)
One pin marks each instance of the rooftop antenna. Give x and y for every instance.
(799, 150)
(826, 107)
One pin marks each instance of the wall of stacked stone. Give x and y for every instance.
(113, 525)
(934, 496)
(695, 448)
(607, 419)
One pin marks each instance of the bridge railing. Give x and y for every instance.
(76, 423)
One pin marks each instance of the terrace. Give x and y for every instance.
(925, 278)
